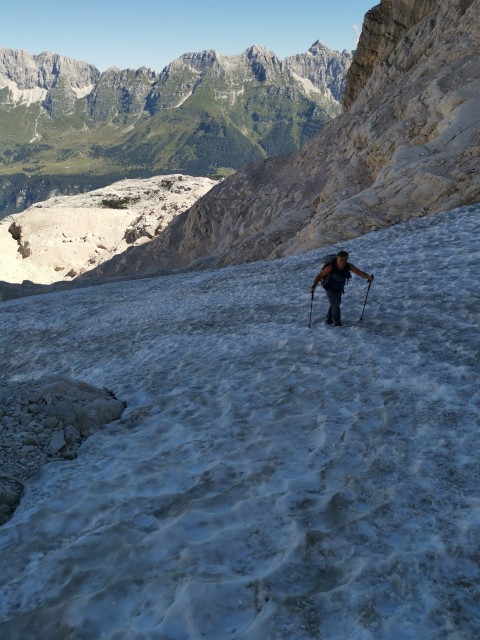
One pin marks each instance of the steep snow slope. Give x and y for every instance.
(267, 480)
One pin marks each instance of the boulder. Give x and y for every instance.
(43, 420)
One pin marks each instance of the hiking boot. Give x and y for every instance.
(328, 321)
(338, 324)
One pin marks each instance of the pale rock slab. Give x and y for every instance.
(66, 236)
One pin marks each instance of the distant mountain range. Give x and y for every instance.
(65, 127)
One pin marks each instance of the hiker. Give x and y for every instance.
(334, 275)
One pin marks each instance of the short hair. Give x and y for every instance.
(342, 254)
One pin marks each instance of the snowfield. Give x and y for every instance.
(268, 481)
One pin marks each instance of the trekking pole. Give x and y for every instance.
(368, 289)
(311, 307)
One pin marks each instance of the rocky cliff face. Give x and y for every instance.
(408, 146)
(53, 80)
(383, 26)
(120, 94)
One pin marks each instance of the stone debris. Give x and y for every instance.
(44, 420)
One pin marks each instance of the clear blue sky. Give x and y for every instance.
(152, 33)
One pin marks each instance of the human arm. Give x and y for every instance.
(359, 272)
(323, 274)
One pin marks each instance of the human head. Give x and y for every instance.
(342, 257)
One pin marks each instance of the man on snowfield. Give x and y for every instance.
(334, 276)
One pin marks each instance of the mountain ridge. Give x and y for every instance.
(203, 114)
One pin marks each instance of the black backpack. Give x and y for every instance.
(328, 259)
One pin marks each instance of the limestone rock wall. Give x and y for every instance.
(384, 25)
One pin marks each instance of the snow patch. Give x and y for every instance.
(310, 88)
(267, 480)
(81, 92)
(23, 96)
(186, 97)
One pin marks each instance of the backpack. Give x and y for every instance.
(328, 259)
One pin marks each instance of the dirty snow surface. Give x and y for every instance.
(268, 480)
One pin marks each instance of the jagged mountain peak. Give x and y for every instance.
(29, 78)
(195, 61)
(264, 64)
(320, 48)
(202, 57)
(259, 50)
(142, 72)
(49, 57)
(317, 47)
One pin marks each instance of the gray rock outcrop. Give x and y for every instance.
(43, 420)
